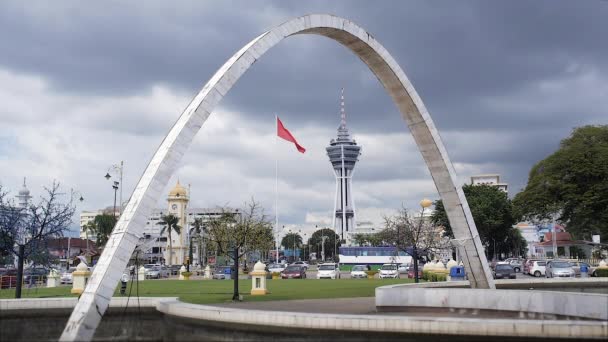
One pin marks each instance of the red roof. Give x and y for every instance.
(561, 236)
(62, 243)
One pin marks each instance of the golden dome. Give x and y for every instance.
(178, 191)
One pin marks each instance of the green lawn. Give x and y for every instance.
(218, 291)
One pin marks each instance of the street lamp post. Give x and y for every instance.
(189, 249)
(115, 187)
(117, 168)
(425, 203)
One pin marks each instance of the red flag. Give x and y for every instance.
(282, 132)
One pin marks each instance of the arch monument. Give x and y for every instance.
(95, 299)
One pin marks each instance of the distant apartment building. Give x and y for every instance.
(489, 179)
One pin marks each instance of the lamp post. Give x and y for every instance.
(115, 187)
(86, 230)
(305, 248)
(425, 203)
(116, 168)
(189, 249)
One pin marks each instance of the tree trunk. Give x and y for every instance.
(235, 274)
(170, 247)
(415, 256)
(19, 272)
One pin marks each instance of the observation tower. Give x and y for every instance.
(343, 154)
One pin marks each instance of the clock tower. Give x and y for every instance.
(178, 206)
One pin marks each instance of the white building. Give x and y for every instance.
(489, 179)
(155, 248)
(531, 234)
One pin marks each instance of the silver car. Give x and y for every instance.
(157, 272)
(560, 269)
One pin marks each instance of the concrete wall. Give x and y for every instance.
(167, 319)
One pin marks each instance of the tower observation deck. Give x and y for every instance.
(343, 154)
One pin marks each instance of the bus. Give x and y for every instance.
(373, 256)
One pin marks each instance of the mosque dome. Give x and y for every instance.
(178, 191)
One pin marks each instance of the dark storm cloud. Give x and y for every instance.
(453, 53)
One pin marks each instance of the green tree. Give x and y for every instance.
(332, 242)
(493, 214)
(170, 224)
(570, 185)
(291, 240)
(102, 226)
(360, 239)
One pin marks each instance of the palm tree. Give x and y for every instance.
(170, 223)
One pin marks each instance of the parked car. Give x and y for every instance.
(222, 272)
(157, 272)
(538, 268)
(502, 271)
(276, 268)
(527, 264)
(293, 271)
(358, 271)
(301, 263)
(517, 264)
(402, 268)
(8, 278)
(36, 275)
(388, 271)
(560, 269)
(66, 277)
(174, 269)
(576, 266)
(328, 271)
(410, 272)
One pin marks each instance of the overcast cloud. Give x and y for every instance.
(84, 85)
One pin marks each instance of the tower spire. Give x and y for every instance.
(342, 111)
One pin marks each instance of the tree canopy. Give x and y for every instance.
(493, 214)
(571, 185)
(247, 230)
(34, 225)
(332, 242)
(102, 226)
(403, 231)
(291, 240)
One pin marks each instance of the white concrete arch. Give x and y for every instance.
(96, 297)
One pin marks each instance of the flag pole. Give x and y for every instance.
(276, 185)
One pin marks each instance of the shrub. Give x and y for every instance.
(601, 272)
(442, 277)
(186, 274)
(426, 275)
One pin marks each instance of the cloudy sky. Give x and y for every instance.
(86, 85)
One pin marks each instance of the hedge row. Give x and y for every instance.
(434, 277)
(601, 272)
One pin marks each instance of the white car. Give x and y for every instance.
(389, 271)
(328, 271)
(278, 268)
(301, 263)
(358, 271)
(403, 268)
(66, 277)
(538, 268)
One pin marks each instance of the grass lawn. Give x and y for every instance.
(218, 291)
